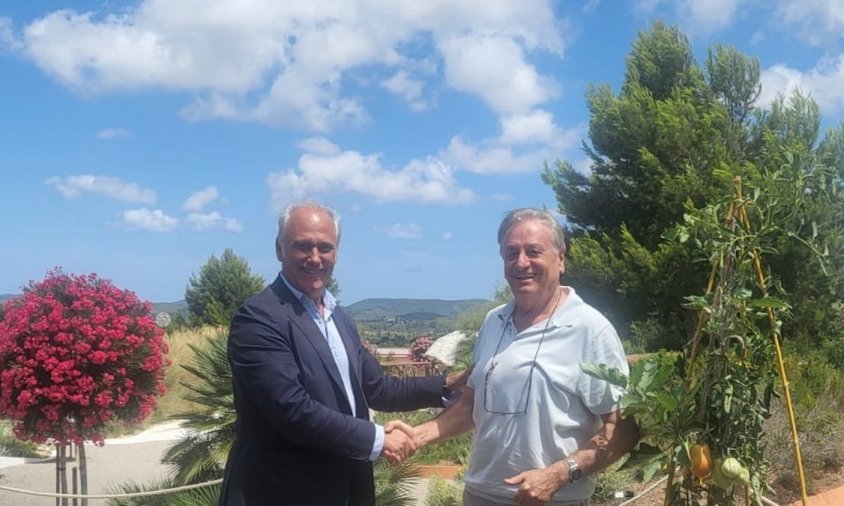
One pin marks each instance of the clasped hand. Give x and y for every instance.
(400, 442)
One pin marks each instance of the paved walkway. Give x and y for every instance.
(134, 458)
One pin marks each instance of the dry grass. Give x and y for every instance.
(180, 354)
(821, 437)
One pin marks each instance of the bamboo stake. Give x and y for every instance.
(760, 279)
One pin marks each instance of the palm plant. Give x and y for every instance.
(201, 454)
(392, 483)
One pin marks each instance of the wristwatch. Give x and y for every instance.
(575, 472)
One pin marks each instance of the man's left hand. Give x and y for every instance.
(456, 381)
(536, 487)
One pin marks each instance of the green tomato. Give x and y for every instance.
(718, 476)
(731, 468)
(744, 476)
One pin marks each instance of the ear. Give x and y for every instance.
(278, 254)
(562, 264)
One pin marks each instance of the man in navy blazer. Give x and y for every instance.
(303, 384)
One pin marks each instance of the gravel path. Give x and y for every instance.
(107, 466)
(134, 458)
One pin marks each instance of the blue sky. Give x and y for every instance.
(140, 137)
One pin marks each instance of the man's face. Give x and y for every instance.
(532, 265)
(310, 251)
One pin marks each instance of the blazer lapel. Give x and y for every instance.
(311, 332)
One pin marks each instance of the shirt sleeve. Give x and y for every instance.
(378, 444)
(605, 348)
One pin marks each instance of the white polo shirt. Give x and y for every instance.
(527, 421)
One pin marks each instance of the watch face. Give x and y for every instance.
(575, 473)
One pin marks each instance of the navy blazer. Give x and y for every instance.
(296, 440)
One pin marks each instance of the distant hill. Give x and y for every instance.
(179, 306)
(411, 309)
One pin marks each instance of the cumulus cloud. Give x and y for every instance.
(526, 142)
(494, 68)
(114, 133)
(823, 83)
(402, 230)
(8, 42)
(289, 63)
(198, 200)
(206, 221)
(422, 181)
(816, 20)
(149, 219)
(408, 88)
(111, 187)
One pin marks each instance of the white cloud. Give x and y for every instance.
(708, 16)
(525, 144)
(817, 20)
(422, 181)
(536, 126)
(406, 87)
(114, 133)
(825, 83)
(447, 235)
(149, 219)
(494, 68)
(206, 221)
(112, 187)
(402, 230)
(198, 200)
(318, 145)
(288, 63)
(8, 42)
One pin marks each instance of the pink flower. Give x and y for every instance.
(76, 329)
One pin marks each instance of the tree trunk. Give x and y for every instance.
(83, 472)
(61, 472)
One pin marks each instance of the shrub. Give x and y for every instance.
(444, 493)
(76, 353)
(419, 347)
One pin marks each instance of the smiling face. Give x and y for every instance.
(532, 263)
(309, 250)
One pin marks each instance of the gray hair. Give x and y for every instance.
(530, 213)
(284, 220)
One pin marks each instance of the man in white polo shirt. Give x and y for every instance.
(543, 428)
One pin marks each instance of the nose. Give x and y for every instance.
(313, 254)
(522, 259)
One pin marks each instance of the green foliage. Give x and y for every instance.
(397, 322)
(444, 493)
(223, 284)
(201, 454)
(392, 486)
(204, 496)
(11, 446)
(610, 481)
(451, 451)
(669, 144)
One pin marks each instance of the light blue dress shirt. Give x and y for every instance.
(325, 323)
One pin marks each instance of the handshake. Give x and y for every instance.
(400, 442)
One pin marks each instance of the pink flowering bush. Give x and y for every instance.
(76, 352)
(419, 347)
